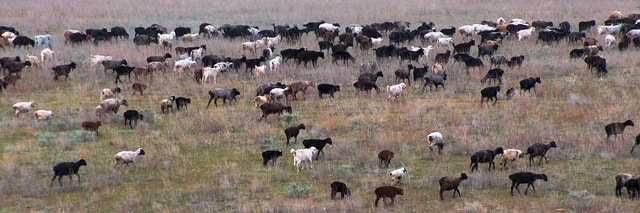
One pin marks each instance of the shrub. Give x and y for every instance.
(45, 139)
(289, 118)
(79, 136)
(296, 191)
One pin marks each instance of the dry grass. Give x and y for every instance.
(208, 160)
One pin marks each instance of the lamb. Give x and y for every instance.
(436, 139)
(43, 114)
(182, 102)
(523, 34)
(510, 155)
(617, 128)
(126, 157)
(270, 155)
(609, 40)
(302, 155)
(262, 69)
(274, 63)
(91, 126)
(621, 180)
(448, 183)
(339, 187)
(167, 104)
(539, 149)
(385, 157)
(387, 192)
(224, 94)
(34, 60)
(67, 168)
(395, 90)
(209, 71)
(23, 107)
(525, 177)
(613, 30)
(292, 132)
(397, 174)
(64, 69)
(485, 156)
(318, 144)
(132, 116)
(273, 108)
(434, 80)
(180, 65)
(327, 89)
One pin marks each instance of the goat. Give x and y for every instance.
(395, 90)
(224, 94)
(64, 69)
(617, 128)
(273, 108)
(270, 155)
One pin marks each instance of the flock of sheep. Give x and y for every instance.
(272, 97)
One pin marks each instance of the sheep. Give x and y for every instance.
(280, 93)
(523, 34)
(485, 156)
(339, 187)
(636, 143)
(597, 62)
(159, 58)
(109, 93)
(197, 54)
(509, 155)
(210, 71)
(132, 116)
(384, 158)
(436, 139)
(273, 108)
(67, 168)
(434, 36)
(190, 37)
(111, 64)
(10, 79)
(23, 41)
(395, 90)
(23, 107)
(180, 65)
(123, 70)
(43, 114)
(156, 66)
(91, 126)
(318, 144)
(463, 47)
(252, 63)
(633, 187)
(402, 74)
(182, 102)
(397, 174)
(617, 128)
(270, 155)
(540, 149)
(260, 69)
(34, 60)
(434, 80)
(344, 56)
(387, 192)
(64, 69)
(497, 60)
(613, 30)
(609, 40)
(274, 63)
(371, 77)
(621, 180)
(224, 94)
(292, 132)
(525, 177)
(448, 183)
(126, 157)
(327, 89)
(586, 25)
(167, 104)
(302, 155)
(261, 99)
(528, 84)
(365, 86)
(112, 105)
(16, 67)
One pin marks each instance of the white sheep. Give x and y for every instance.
(43, 114)
(634, 33)
(519, 21)
(445, 42)
(190, 37)
(328, 27)
(197, 54)
(180, 65)
(35, 61)
(254, 31)
(302, 155)
(466, 31)
(211, 29)
(157, 66)
(273, 41)
(43, 39)
(522, 34)
(609, 40)
(47, 55)
(262, 69)
(22, 107)
(223, 66)
(434, 36)
(8, 35)
(108, 93)
(110, 105)
(510, 156)
(615, 29)
(501, 21)
(275, 63)
(97, 59)
(166, 37)
(210, 71)
(279, 93)
(126, 157)
(395, 90)
(397, 174)
(436, 139)
(375, 42)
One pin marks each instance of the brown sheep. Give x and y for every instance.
(12, 79)
(387, 191)
(451, 183)
(364, 42)
(91, 126)
(138, 71)
(292, 132)
(139, 87)
(198, 74)
(589, 41)
(180, 50)
(301, 86)
(385, 157)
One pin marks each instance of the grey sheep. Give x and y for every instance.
(539, 149)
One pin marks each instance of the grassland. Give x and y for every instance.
(208, 160)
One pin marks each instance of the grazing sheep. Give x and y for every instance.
(23, 107)
(621, 180)
(167, 104)
(91, 126)
(402, 74)
(436, 139)
(302, 155)
(493, 74)
(434, 80)
(300, 86)
(280, 93)
(182, 102)
(292, 132)
(67, 168)
(273, 108)
(270, 155)
(132, 116)
(180, 65)
(366, 86)
(516, 61)
(490, 93)
(597, 62)
(395, 90)
(387, 192)
(64, 69)
(485, 156)
(126, 157)
(43, 114)
(371, 77)
(23, 41)
(318, 144)
(617, 128)
(397, 174)
(16, 67)
(540, 149)
(385, 157)
(224, 94)
(109, 93)
(497, 60)
(339, 187)
(112, 105)
(327, 89)
(509, 156)
(525, 177)
(637, 142)
(138, 87)
(448, 183)
(633, 187)
(111, 64)
(34, 60)
(159, 58)
(586, 25)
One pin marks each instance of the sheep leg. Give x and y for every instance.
(54, 178)
(78, 176)
(441, 192)
(532, 186)
(454, 192)
(210, 99)
(517, 186)
(377, 199)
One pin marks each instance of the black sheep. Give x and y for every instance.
(621, 180)
(118, 32)
(402, 74)
(540, 25)
(387, 191)
(366, 86)
(160, 58)
(181, 102)
(497, 60)
(472, 62)
(385, 157)
(528, 84)
(265, 88)
(516, 61)
(292, 132)
(451, 183)
(632, 148)
(616, 129)
(487, 49)
(67, 168)
(291, 53)
(449, 32)
(64, 69)
(510, 92)
(597, 62)
(325, 45)
(252, 63)
(493, 74)
(123, 70)
(270, 155)
(328, 89)
(143, 40)
(586, 25)
(23, 41)
(371, 77)
(418, 73)
(339, 187)
(224, 94)
(443, 58)
(490, 93)
(273, 108)
(633, 187)
(111, 64)
(525, 177)
(576, 53)
(411, 55)
(180, 31)
(16, 67)
(344, 56)
(539, 149)
(132, 116)
(309, 55)
(464, 47)
(319, 144)
(485, 156)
